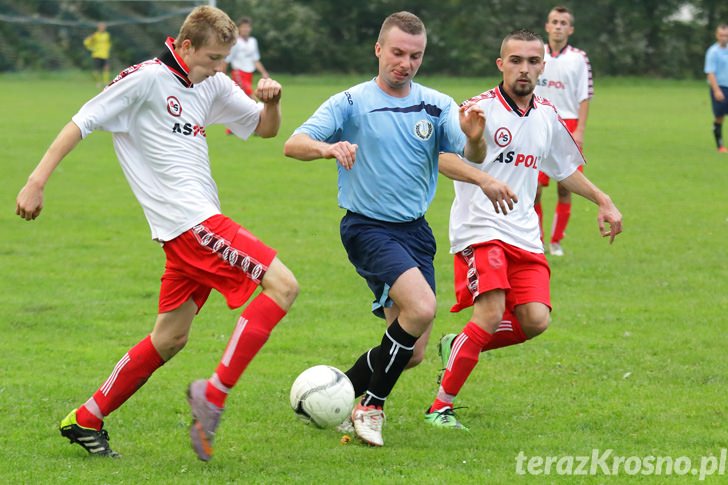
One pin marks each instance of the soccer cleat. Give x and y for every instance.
(205, 419)
(347, 427)
(555, 249)
(368, 422)
(444, 418)
(95, 442)
(722, 150)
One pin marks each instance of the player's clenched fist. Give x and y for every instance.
(268, 90)
(29, 202)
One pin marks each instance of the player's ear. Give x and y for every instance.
(186, 46)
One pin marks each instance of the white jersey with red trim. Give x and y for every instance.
(519, 144)
(244, 54)
(158, 120)
(566, 80)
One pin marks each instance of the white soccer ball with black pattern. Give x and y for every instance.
(323, 396)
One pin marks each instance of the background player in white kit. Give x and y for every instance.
(244, 57)
(566, 82)
(500, 268)
(158, 112)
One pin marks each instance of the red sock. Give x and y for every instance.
(130, 373)
(463, 358)
(251, 332)
(509, 332)
(561, 219)
(539, 212)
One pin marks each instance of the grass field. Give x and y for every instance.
(634, 360)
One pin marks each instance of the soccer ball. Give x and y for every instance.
(323, 396)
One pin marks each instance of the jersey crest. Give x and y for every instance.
(424, 129)
(173, 106)
(502, 137)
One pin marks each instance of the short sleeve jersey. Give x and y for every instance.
(519, 144)
(244, 54)
(158, 119)
(566, 80)
(716, 62)
(399, 140)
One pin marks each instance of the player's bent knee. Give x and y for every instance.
(179, 342)
(280, 284)
(488, 316)
(169, 345)
(534, 318)
(423, 313)
(536, 328)
(535, 325)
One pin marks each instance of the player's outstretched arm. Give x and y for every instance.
(303, 147)
(499, 194)
(269, 92)
(29, 202)
(608, 212)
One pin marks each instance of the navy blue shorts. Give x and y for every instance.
(381, 251)
(720, 108)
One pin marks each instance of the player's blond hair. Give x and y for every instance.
(205, 25)
(521, 34)
(407, 22)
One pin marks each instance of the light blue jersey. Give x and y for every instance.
(716, 62)
(395, 173)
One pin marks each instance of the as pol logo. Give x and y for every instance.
(502, 137)
(173, 106)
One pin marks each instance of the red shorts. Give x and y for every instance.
(244, 80)
(543, 179)
(495, 265)
(218, 253)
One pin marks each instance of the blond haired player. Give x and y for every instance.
(158, 112)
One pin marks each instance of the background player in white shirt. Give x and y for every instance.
(157, 112)
(500, 268)
(244, 58)
(566, 82)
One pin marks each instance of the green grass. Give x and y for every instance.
(634, 360)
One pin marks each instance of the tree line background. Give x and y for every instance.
(621, 37)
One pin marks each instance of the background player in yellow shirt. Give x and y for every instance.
(99, 44)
